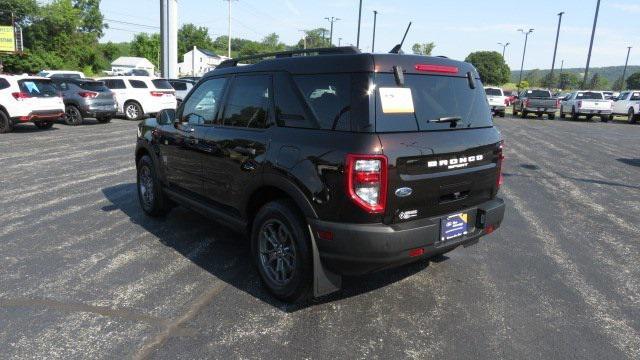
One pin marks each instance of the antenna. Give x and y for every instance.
(396, 49)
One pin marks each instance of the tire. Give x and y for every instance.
(523, 114)
(44, 124)
(632, 117)
(6, 126)
(515, 112)
(133, 111)
(551, 116)
(150, 195)
(281, 250)
(539, 115)
(502, 114)
(104, 119)
(562, 115)
(73, 116)
(574, 115)
(604, 118)
(589, 117)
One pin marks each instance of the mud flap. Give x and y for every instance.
(324, 281)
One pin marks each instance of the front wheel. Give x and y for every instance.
(44, 124)
(280, 247)
(73, 116)
(562, 116)
(574, 114)
(523, 114)
(152, 200)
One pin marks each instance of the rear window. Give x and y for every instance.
(66, 76)
(115, 84)
(589, 95)
(537, 94)
(4, 84)
(493, 92)
(38, 88)
(162, 84)
(180, 86)
(434, 97)
(93, 86)
(137, 84)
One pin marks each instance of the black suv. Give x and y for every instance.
(332, 161)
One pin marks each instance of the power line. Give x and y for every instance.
(132, 24)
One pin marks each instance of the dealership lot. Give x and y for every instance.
(85, 274)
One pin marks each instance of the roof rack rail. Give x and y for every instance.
(291, 53)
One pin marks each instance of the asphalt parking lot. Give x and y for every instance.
(84, 274)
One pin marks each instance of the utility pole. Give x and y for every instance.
(524, 51)
(593, 32)
(331, 20)
(169, 38)
(339, 42)
(560, 77)
(229, 30)
(359, 19)
(373, 42)
(504, 46)
(624, 72)
(555, 49)
(304, 38)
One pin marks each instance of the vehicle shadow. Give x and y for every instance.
(632, 162)
(30, 128)
(227, 257)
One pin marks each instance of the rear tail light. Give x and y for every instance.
(88, 94)
(579, 103)
(557, 103)
(437, 68)
(499, 164)
(159, 93)
(367, 181)
(20, 95)
(506, 101)
(526, 103)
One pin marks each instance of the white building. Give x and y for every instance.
(198, 62)
(124, 64)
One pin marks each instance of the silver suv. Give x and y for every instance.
(84, 98)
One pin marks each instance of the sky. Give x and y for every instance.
(457, 27)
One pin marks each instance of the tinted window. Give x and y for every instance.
(434, 97)
(248, 103)
(66, 75)
(589, 95)
(202, 106)
(162, 84)
(329, 97)
(38, 88)
(137, 84)
(537, 94)
(93, 86)
(178, 85)
(289, 108)
(635, 96)
(493, 92)
(4, 84)
(62, 86)
(115, 84)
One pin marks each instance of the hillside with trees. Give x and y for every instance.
(605, 77)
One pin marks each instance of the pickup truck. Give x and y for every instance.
(497, 100)
(535, 101)
(587, 103)
(627, 103)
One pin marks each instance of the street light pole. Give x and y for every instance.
(504, 46)
(304, 38)
(331, 20)
(624, 72)
(555, 49)
(359, 19)
(373, 42)
(593, 32)
(524, 51)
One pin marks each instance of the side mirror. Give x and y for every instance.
(166, 117)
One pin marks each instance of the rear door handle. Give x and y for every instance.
(245, 151)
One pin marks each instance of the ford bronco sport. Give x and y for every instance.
(340, 163)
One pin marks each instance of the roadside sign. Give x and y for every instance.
(7, 39)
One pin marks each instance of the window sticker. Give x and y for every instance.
(396, 100)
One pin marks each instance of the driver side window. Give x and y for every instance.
(202, 106)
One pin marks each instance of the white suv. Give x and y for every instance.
(627, 103)
(138, 96)
(28, 99)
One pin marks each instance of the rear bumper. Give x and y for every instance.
(363, 248)
(499, 108)
(541, 110)
(40, 115)
(593, 112)
(99, 110)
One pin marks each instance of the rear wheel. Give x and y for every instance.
(515, 112)
(44, 124)
(631, 116)
(6, 126)
(501, 114)
(73, 116)
(280, 246)
(604, 118)
(552, 116)
(562, 116)
(523, 114)
(574, 114)
(133, 111)
(150, 195)
(589, 117)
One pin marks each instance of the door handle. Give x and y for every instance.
(244, 151)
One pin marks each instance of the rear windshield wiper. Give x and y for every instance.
(449, 119)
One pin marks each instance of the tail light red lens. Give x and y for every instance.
(20, 95)
(366, 181)
(499, 164)
(526, 103)
(88, 94)
(437, 68)
(557, 103)
(159, 93)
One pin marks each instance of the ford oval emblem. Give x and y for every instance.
(404, 192)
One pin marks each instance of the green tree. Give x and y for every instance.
(550, 80)
(491, 67)
(597, 82)
(23, 10)
(423, 49)
(524, 84)
(568, 81)
(534, 77)
(315, 39)
(190, 35)
(618, 85)
(633, 81)
(91, 18)
(272, 43)
(146, 46)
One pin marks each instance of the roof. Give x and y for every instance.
(209, 53)
(132, 61)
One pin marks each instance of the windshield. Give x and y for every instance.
(493, 92)
(439, 102)
(589, 95)
(38, 88)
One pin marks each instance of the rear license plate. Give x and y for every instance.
(453, 226)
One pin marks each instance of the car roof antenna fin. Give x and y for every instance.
(398, 48)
